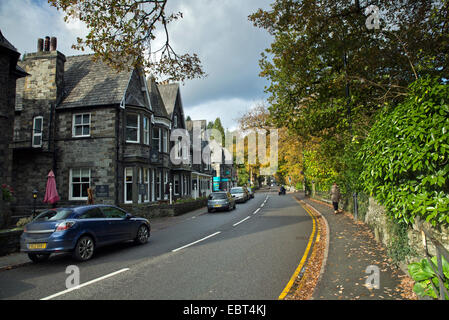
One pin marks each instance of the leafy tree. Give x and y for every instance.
(329, 74)
(121, 33)
(406, 155)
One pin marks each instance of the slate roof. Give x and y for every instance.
(169, 92)
(89, 83)
(4, 43)
(156, 100)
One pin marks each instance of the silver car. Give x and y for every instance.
(240, 194)
(220, 201)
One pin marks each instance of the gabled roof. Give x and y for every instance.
(169, 93)
(157, 103)
(6, 44)
(12, 51)
(89, 83)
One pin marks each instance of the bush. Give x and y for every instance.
(23, 221)
(424, 276)
(406, 155)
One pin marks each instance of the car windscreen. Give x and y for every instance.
(237, 190)
(217, 196)
(53, 214)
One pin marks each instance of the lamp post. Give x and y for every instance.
(34, 202)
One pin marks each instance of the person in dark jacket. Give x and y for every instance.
(335, 196)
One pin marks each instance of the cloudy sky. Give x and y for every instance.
(219, 31)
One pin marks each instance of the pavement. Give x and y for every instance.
(357, 266)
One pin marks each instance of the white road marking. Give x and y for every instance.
(85, 284)
(235, 224)
(191, 244)
(256, 211)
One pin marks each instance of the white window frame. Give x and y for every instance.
(146, 131)
(165, 185)
(147, 182)
(82, 125)
(37, 134)
(138, 128)
(176, 180)
(165, 140)
(153, 185)
(71, 198)
(158, 185)
(125, 192)
(159, 139)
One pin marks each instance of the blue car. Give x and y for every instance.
(80, 230)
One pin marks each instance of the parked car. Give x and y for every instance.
(251, 192)
(240, 194)
(81, 230)
(220, 201)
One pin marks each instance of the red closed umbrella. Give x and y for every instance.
(51, 194)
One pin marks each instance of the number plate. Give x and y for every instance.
(217, 205)
(37, 245)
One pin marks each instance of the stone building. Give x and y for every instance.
(94, 127)
(9, 73)
(181, 163)
(202, 172)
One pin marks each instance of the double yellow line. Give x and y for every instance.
(306, 253)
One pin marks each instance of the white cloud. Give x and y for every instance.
(227, 43)
(24, 21)
(228, 110)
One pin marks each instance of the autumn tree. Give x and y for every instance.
(121, 33)
(329, 74)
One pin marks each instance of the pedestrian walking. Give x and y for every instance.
(335, 196)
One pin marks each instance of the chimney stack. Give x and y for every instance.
(47, 44)
(40, 45)
(53, 43)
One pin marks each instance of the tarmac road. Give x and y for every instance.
(249, 253)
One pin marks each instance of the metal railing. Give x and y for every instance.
(443, 293)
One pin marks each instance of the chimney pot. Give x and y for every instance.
(47, 44)
(53, 43)
(40, 45)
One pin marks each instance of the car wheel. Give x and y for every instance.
(38, 257)
(142, 235)
(84, 249)
(209, 210)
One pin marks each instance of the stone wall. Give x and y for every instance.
(96, 152)
(5, 214)
(7, 97)
(10, 241)
(382, 227)
(152, 210)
